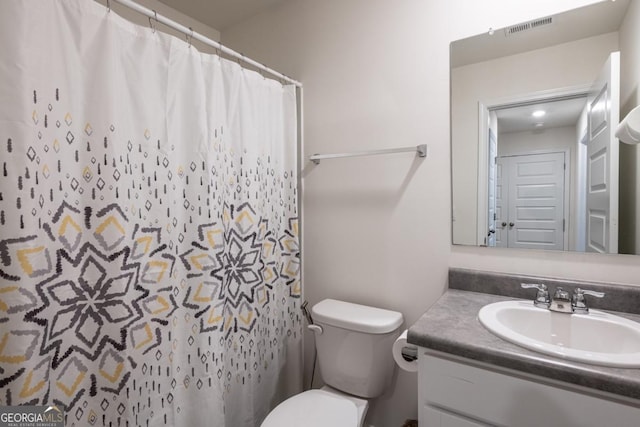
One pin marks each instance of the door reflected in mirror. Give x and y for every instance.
(534, 107)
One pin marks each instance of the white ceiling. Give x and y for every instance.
(221, 14)
(558, 114)
(599, 18)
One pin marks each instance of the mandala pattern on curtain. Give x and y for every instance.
(149, 251)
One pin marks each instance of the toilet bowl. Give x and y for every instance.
(319, 408)
(354, 344)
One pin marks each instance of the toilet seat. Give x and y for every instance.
(318, 408)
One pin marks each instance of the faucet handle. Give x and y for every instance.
(542, 296)
(588, 292)
(538, 286)
(579, 304)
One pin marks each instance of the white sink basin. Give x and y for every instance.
(598, 338)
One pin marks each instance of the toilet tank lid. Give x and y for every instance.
(356, 317)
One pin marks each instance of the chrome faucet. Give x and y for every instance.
(561, 301)
(579, 304)
(542, 299)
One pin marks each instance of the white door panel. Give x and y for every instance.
(538, 213)
(536, 201)
(533, 191)
(597, 231)
(602, 163)
(534, 168)
(502, 211)
(530, 199)
(537, 236)
(492, 215)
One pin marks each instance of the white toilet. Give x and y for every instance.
(354, 354)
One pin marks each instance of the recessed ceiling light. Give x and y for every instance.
(539, 113)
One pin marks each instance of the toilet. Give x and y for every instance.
(354, 344)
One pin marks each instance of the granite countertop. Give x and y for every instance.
(451, 326)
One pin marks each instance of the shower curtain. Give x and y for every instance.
(149, 252)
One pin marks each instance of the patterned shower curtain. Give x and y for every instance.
(149, 252)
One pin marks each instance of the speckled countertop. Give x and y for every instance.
(451, 326)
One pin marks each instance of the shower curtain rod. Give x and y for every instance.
(152, 14)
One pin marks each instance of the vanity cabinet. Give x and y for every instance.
(453, 393)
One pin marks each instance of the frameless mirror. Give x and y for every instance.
(534, 109)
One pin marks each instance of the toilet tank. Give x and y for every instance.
(354, 348)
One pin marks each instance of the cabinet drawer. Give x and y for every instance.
(504, 400)
(439, 418)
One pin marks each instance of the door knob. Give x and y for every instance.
(504, 224)
(491, 231)
(511, 224)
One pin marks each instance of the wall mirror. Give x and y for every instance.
(534, 108)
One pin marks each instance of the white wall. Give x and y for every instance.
(630, 62)
(561, 66)
(630, 154)
(527, 142)
(377, 230)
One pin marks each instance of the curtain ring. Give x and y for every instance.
(189, 36)
(151, 25)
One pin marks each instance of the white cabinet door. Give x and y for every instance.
(465, 395)
(438, 418)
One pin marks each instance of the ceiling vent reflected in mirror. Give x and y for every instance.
(519, 28)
